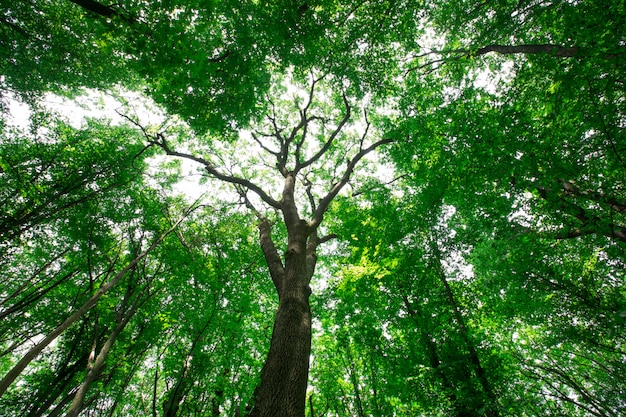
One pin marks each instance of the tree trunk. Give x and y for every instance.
(36, 350)
(94, 372)
(97, 365)
(491, 410)
(433, 357)
(282, 391)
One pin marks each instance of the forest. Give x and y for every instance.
(312, 208)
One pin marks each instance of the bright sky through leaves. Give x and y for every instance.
(427, 199)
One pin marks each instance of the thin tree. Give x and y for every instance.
(36, 350)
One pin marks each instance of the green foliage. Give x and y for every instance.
(486, 278)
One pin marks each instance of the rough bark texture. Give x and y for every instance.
(282, 391)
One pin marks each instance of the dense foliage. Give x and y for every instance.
(452, 174)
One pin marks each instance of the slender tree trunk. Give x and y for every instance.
(36, 350)
(61, 406)
(79, 398)
(433, 357)
(354, 378)
(473, 354)
(96, 367)
(57, 388)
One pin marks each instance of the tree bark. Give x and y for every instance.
(282, 391)
(94, 372)
(96, 367)
(97, 8)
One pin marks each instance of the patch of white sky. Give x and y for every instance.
(243, 158)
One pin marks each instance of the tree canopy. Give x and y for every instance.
(361, 208)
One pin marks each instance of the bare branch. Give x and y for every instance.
(304, 126)
(330, 140)
(378, 186)
(311, 91)
(304, 121)
(558, 51)
(367, 128)
(308, 184)
(161, 142)
(265, 148)
(325, 202)
(327, 238)
(242, 191)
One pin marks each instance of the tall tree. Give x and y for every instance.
(319, 136)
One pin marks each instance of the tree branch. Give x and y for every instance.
(533, 49)
(97, 8)
(274, 263)
(559, 51)
(325, 201)
(160, 141)
(330, 140)
(590, 224)
(265, 148)
(304, 120)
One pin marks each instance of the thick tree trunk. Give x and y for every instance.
(282, 391)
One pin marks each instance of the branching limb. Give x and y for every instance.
(327, 238)
(232, 179)
(378, 186)
(282, 156)
(274, 263)
(589, 224)
(558, 51)
(288, 203)
(304, 119)
(308, 186)
(255, 136)
(160, 141)
(570, 188)
(325, 201)
(330, 140)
